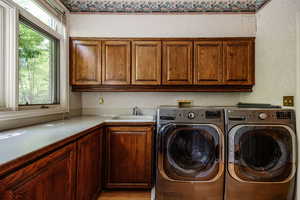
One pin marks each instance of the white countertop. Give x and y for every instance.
(19, 142)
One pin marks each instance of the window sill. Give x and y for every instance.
(11, 115)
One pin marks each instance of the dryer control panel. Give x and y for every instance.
(259, 116)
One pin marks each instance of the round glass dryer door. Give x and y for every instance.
(262, 153)
(192, 152)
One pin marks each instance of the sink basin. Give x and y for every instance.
(133, 117)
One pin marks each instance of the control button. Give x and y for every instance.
(263, 116)
(191, 115)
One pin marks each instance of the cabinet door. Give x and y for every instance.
(116, 62)
(208, 66)
(129, 157)
(86, 62)
(146, 63)
(52, 177)
(89, 166)
(239, 62)
(177, 63)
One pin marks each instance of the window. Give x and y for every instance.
(32, 7)
(33, 59)
(38, 66)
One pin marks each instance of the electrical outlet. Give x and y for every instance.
(288, 101)
(101, 100)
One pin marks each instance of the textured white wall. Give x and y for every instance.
(275, 53)
(152, 99)
(160, 26)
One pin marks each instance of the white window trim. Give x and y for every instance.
(12, 13)
(2, 102)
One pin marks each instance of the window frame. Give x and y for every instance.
(2, 102)
(12, 109)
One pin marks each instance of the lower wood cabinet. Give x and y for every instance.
(89, 166)
(128, 157)
(50, 178)
(73, 172)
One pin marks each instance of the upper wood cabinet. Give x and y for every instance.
(129, 157)
(208, 63)
(238, 62)
(146, 63)
(86, 62)
(89, 165)
(177, 63)
(52, 177)
(116, 62)
(163, 64)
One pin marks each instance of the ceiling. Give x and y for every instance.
(165, 6)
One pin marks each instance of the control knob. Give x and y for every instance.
(263, 116)
(191, 115)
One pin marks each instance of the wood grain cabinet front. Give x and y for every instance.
(129, 157)
(146, 63)
(51, 178)
(86, 62)
(163, 64)
(177, 63)
(238, 62)
(89, 166)
(208, 63)
(116, 62)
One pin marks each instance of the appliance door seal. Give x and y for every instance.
(262, 153)
(191, 152)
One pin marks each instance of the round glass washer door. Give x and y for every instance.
(261, 153)
(192, 152)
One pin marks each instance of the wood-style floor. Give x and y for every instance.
(125, 195)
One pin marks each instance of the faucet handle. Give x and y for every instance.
(136, 111)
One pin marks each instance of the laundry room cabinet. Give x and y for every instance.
(86, 62)
(129, 157)
(208, 62)
(146, 63)
(52, 177)
(177, 63)
(238, 61)
(116, 62)
(72, 171)
(89, 165)
(163, 64)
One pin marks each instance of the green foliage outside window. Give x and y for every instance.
(36, 67)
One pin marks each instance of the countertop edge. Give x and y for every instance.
(22, 161)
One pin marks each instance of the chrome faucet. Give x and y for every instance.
(136, 111)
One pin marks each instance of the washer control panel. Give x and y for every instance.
(192, 115)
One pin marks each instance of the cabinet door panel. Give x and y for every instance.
(89, 166)
(86, 62)
(208, 63)
(116, 62)
(50, 178)
(146, 63)
(129, 157)
(177, 63)
(239, 62)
